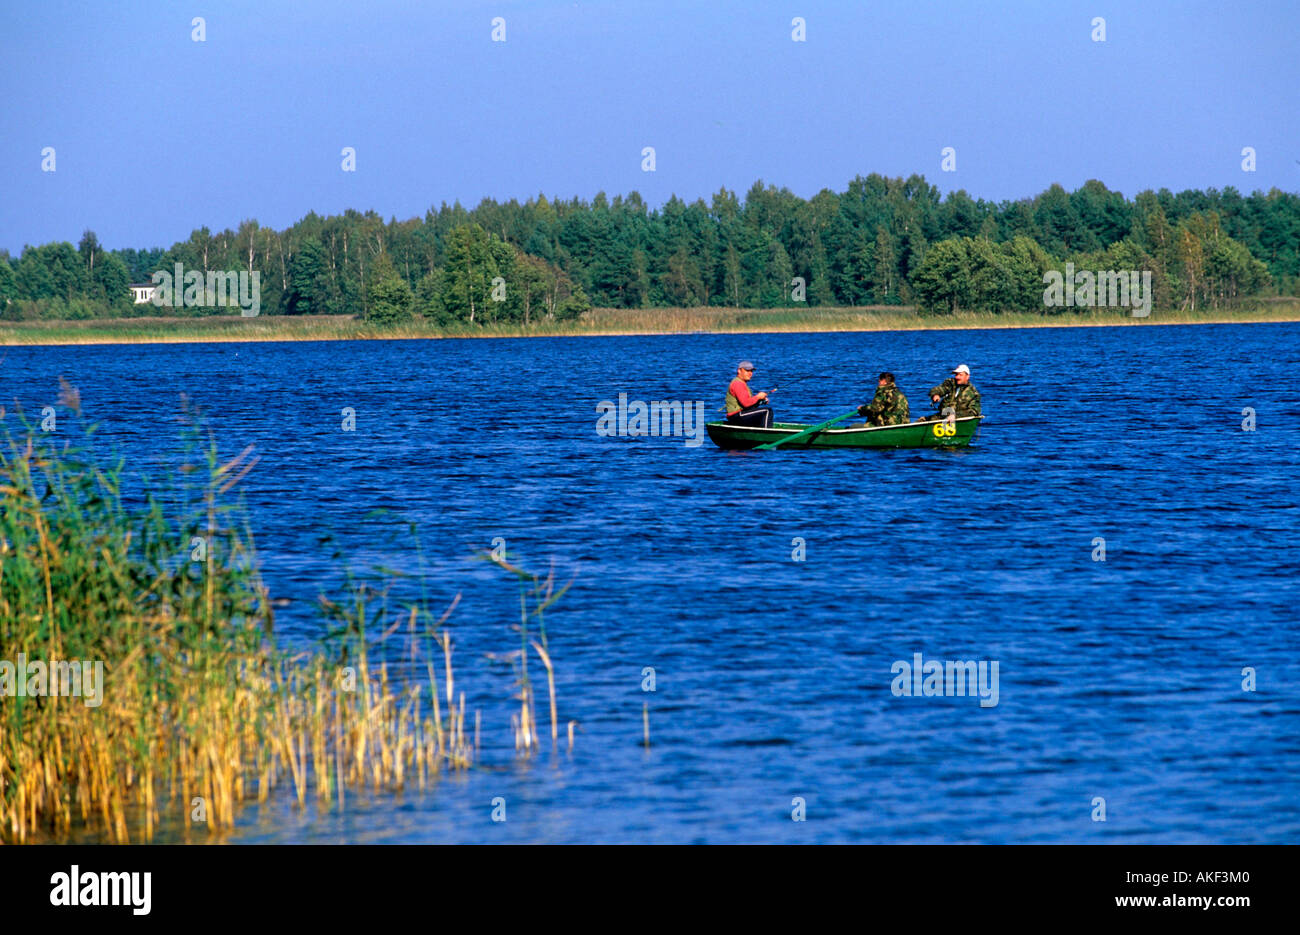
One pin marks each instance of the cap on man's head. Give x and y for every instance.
(961, 368)
(745, 365)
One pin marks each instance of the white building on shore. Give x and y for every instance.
(143, 292)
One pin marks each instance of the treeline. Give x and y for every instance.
(1193, 264)
(881, 241)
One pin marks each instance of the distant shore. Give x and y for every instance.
(604, 322)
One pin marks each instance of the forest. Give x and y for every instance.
(882, 241)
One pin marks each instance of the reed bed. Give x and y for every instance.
(608, 321)
(200, 710)
(905, 318)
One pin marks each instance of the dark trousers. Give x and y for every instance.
(755, 416)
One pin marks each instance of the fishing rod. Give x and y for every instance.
(805, 376)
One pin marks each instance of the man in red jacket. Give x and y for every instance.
(744, 408)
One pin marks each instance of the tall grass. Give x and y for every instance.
(599, 321)
(201, 710)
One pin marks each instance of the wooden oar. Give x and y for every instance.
(806, 432)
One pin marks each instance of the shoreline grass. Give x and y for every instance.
(199, 709)
(606, 322)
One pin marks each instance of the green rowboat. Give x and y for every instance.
(935, 434)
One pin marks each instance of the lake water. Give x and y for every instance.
(1120, 679)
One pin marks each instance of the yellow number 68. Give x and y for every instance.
(944, 428)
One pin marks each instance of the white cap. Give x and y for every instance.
(961, 368)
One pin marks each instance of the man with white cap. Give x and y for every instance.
(956, 393)
(743, 407)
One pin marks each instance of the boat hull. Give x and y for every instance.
(940, 434)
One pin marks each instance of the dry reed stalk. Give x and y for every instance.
(550, 681)
(201, 704)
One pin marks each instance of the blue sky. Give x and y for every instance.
(155, 134)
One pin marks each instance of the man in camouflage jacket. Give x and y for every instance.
(956, 393)
(888, 406)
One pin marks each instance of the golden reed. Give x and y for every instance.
(201, 711)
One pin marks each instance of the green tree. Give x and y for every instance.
(819, 275)
(1055, 216)
(112, 284)
(1024, 263)
(533, 279)
(1232, 272)
(682, 283)
(90, 251)
(311, 288)
(389, 296)
(857, 267)
(989, 275)
(1104, 217)
(428, 300)
(1191, 268)
(475, 259)
(732, 277)
(638, 286)
(961, 216)
(885, 272)
(33, 277)
(570, 301)
(915, 247)
(54, 269)
(943, 281)
(775, 289)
